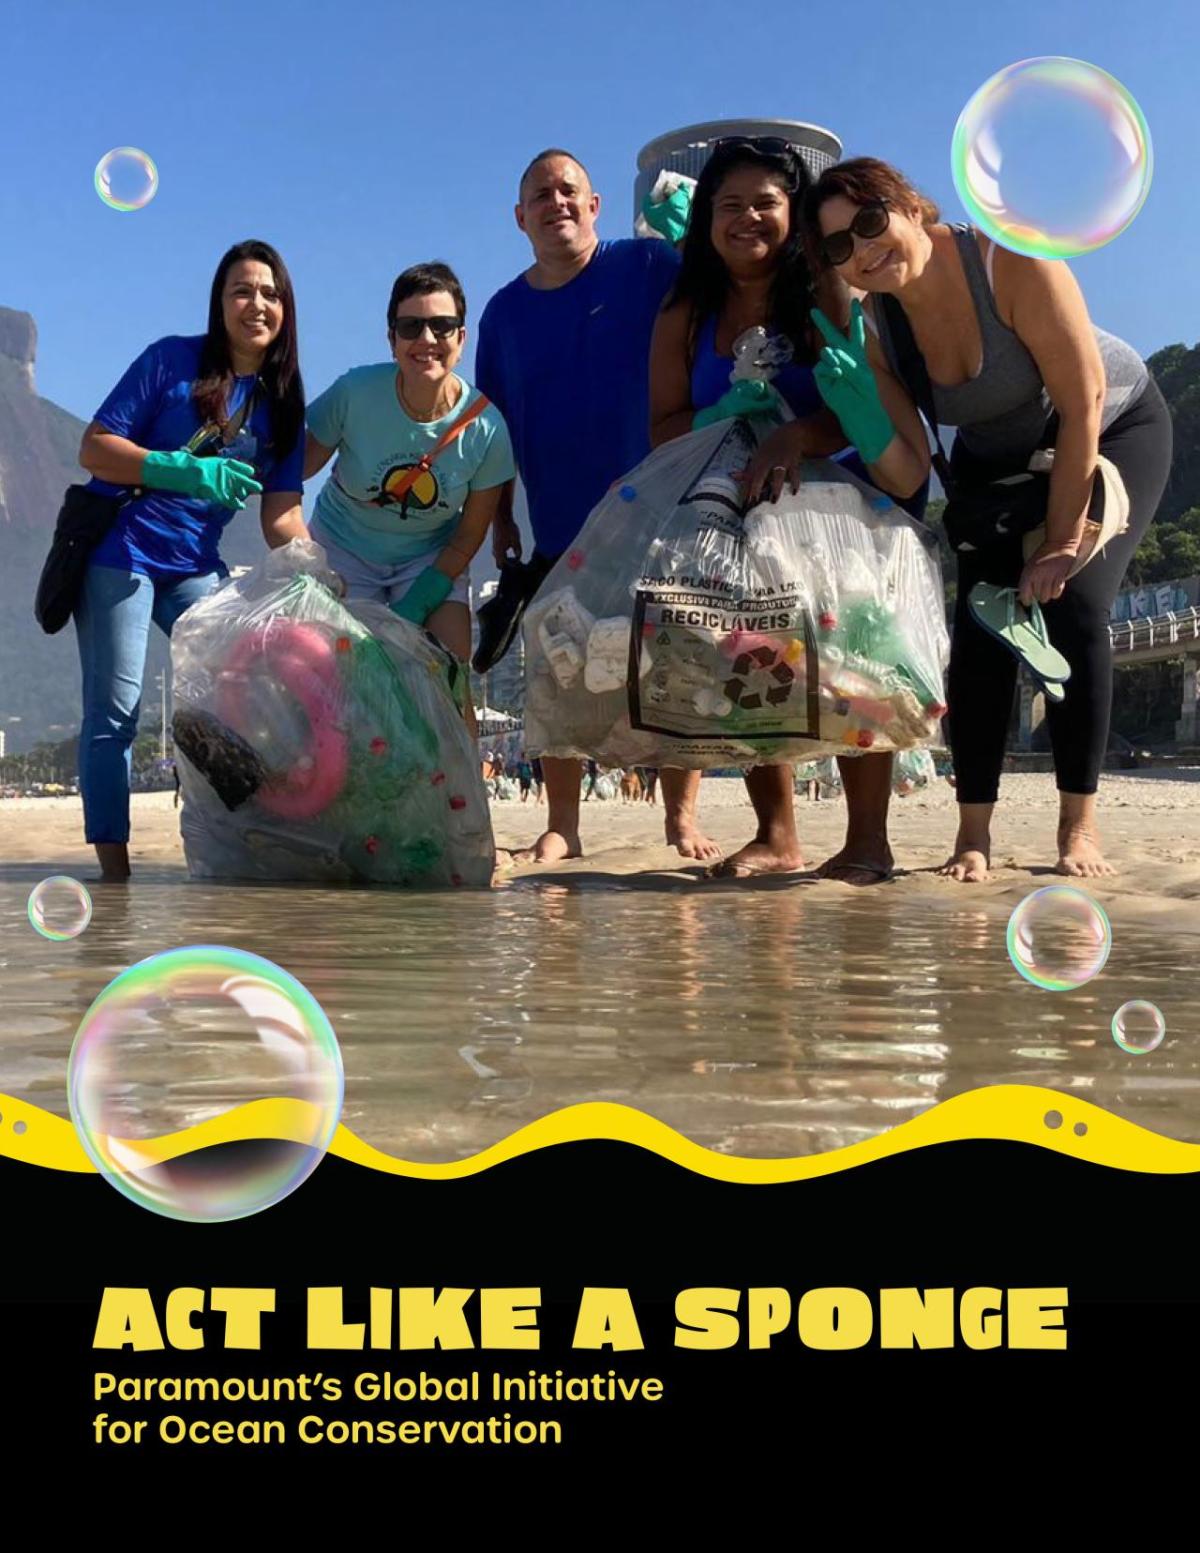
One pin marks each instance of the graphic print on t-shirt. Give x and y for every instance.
(424, 494)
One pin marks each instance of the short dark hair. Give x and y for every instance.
(862, 180)
(544, 156)
(421, 280)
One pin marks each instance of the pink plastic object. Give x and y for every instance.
(300, 659)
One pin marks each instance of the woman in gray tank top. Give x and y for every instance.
(1015, 365)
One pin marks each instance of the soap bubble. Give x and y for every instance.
(1052, 158)
(126, 179)
(1138, 1027)
(213, 1039)
(60, 908)
(1059, 938)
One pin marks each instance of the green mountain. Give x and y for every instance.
(1172, 547)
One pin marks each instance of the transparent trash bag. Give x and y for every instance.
(321, 741)
(682, 630)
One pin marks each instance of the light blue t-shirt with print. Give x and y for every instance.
(361, 416)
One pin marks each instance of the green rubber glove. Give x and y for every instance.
(430, 589)
(847, 385)
(222, 480)
(669, 217)
(745, 398)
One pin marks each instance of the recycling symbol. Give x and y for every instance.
(760, 678)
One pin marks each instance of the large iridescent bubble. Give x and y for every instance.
(126, 179)
(1059, 938)
(1052, 158)
(205, 1083)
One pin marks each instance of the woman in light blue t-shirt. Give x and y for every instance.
(403, 541)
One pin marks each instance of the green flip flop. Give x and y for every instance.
(1023, 632)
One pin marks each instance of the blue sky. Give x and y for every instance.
(360, 137)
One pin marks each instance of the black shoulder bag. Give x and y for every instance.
(976, 516)
(86, 516)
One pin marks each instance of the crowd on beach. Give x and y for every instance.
(597, 352)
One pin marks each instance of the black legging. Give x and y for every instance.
(983, 673)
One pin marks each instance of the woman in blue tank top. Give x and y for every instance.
(744, 267)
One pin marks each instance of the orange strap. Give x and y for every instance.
(448, 437)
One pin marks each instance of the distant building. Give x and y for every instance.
(686, 150)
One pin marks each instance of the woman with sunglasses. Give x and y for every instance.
(743, 267)
(403, 541)
(1015, 364)
(197, 426)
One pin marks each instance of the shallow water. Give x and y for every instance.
(769, 1022)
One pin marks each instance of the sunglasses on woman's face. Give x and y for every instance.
(871, 221)
(406, 327)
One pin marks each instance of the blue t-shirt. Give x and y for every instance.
(163, 534)
(570, 371)
(377, 443)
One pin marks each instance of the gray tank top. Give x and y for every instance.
(1003, 411)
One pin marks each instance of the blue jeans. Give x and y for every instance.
(112, 622)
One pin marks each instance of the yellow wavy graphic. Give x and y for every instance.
(1013, 1113)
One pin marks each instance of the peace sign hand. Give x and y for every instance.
(847, 384)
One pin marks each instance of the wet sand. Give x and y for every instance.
(760, 1018)
(1150, 823)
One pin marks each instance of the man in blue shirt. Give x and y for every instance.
(563, 353)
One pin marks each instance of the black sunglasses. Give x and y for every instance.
(409, 328)
(770, 145)
(871, 221)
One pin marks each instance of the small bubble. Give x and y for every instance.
(126, 179)
(60, 908)
(1081, 1129)
(1138, 1027)
(20, 1127)
(1059, 938)
(1053, 1119)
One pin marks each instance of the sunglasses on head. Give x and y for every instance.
(407, 327)
(871, 221)
(771, 145)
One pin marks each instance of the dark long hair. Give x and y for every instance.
(703, 279)
(279, 375)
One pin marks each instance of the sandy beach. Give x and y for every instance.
(1150, 820)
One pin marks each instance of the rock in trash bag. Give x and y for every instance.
(320, 741)
(683, 630)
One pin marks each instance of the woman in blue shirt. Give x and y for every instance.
(401, 541)
(744, 267)
(197, 425)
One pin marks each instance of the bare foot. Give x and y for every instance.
(853, 866)
(113, 857)
(969, 863)
(550, 847)
(758, 857)
(690, 841)
(1079, 854)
